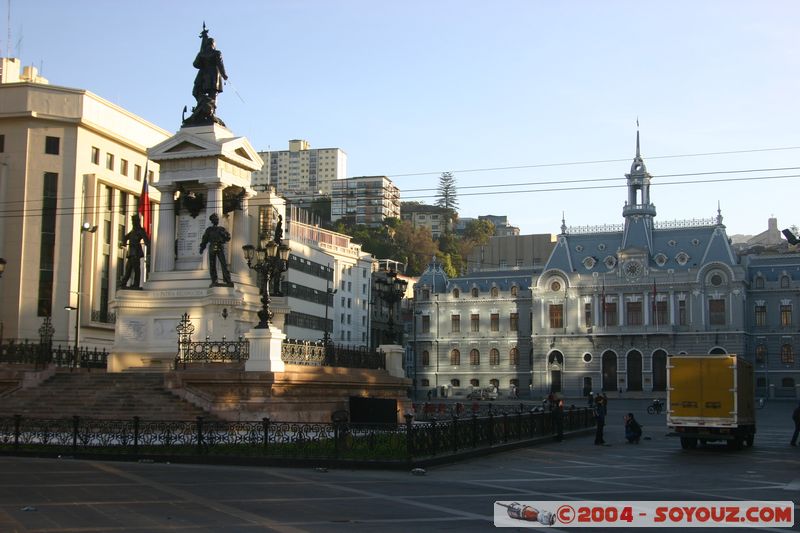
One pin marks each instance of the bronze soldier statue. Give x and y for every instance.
(215, 238)
(134, 240)
(208, 82)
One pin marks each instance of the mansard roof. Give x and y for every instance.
(434, 278)
(484, 281)
(676, 245)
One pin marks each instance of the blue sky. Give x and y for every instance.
(410, 89)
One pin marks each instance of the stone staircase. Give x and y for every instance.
(100, 395)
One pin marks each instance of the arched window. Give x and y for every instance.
(475, 292)
(759, 282)
(761, 353)
(514, 290)
(494, 292)
(474, 382)
(455, 357)
(787, 382)
(425, 383)
(455, 382)
(456, 293)
(495, 382)
(787, 354)
(494, 356)
(426, 358)
(514, 382)
(513, 356)
(784, 282)
(474, 357)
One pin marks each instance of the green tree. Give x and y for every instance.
(446, 194)
(415, 247)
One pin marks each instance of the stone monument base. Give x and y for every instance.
(299, 394)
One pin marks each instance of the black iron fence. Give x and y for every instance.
(387, 443)
(41, 355)
(208, 351)
(299, 352)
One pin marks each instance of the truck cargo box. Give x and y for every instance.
(710, 397)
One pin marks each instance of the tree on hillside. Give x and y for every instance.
(415, 247)
(479, 231)
(446, 195)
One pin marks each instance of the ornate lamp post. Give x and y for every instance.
(391, 291)
(269, 260)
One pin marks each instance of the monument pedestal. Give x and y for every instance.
(265, 350)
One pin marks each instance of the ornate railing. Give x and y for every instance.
(659, 224)
(271, 439)
(41, 355)
(212, 351)
(297, 352)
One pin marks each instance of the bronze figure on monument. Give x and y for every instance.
(215, 238)
(208, 82)
(133, 239)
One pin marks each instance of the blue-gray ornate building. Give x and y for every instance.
(609, 305)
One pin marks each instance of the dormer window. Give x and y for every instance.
(494, 292)
(456, 293)
(475, 292)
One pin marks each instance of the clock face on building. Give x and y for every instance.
(633, 269)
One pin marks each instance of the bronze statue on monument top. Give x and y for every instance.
(208, 83)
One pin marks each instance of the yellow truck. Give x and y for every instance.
(710, 398)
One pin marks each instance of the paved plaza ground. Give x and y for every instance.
(60, 495)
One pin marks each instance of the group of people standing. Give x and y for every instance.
(599, 403)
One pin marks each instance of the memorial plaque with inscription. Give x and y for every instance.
(188, 233)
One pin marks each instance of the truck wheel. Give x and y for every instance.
(688, 443)
(651, 410)
(735, 444)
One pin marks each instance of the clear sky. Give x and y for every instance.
(412, 88)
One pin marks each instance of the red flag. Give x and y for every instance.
(145, 211)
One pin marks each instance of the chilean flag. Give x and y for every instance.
(145, 210)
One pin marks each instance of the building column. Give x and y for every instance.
(671, 308)
(241, 236)
(214, 204)
(621, 311)
(165, 238)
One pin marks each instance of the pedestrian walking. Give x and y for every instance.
(600, 419)
(796, 420)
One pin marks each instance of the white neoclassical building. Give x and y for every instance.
(67, 157)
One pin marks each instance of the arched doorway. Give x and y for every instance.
(609, 371)
(659, 370)
(634, 370)
(587, 386)
(555, 362)
(717, 351)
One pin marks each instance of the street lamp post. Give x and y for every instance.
(391, 291)
(86, 227)
(2, 269)
(269, 260)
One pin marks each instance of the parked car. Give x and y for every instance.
(488, 393)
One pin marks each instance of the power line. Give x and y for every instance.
(72, 210)
(596, 161)
(588, 180)
(687, 182)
